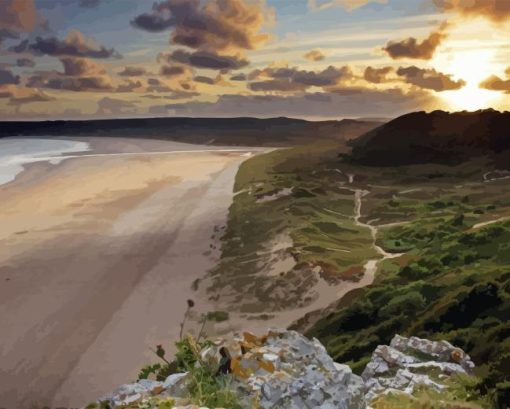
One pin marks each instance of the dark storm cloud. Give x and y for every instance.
(377, 75)
(132, 71)
(206, 59)
(495, 10)
(416, 49)
(321, 105)
(429, 79)
(212, 25)
(288, 79)
(75, 45)
(7, 77)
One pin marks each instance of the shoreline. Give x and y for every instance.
(100, 269)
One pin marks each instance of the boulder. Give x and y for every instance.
(409, 362)
(286, 370)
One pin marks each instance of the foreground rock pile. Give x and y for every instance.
(285, 370)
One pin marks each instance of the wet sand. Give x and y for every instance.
(97, 257)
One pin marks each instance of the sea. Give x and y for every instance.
(15, 153)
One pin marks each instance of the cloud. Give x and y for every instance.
(429, 79)
(177, 94)
(74, 45)
(19, 96)
(7, 77)
(350, 103)
(495, 83)
(7, 34)
(206, 59)
(377, 75)
(314, 55)
(413, 48)
(287, 79)
(346, 4)
(18, 16)
(132, 72)
(114, 106)
(81, 67)
(206, 80)
(25, 62)
(155, 85)
(495, 10)
(238, 77)
(76, 84)
(80, 75)
(173, 70)
(211, 25)
(130, 86)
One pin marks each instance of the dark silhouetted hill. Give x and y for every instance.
(217, 131)
(437, 137)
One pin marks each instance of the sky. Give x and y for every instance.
(313, 59)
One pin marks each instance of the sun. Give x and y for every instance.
(472, 66)
(471, 60)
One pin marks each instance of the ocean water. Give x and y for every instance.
(17, 152)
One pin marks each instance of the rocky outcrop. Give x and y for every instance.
(282, 369)
(285, 370)
(409, 362)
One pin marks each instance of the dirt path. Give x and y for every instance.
(371, 265)
(327, 293)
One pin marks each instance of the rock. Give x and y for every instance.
(288, 371)
(176, 385)
(133, 392)
(408, 362)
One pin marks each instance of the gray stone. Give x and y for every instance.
(409, 362)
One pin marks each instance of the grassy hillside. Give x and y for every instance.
(290, 219)
(452, 283)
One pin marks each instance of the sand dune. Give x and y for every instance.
(97, 256)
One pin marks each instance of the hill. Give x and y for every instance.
(218, 131)
(437, 137)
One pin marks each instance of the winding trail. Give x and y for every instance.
(372, 264)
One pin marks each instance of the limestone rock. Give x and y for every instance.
(286, 370)
(408, 362)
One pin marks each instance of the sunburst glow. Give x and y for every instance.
(472, 61)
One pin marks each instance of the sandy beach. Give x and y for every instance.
(97, 257)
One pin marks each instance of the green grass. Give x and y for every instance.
(316, 215)
(454, 281)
